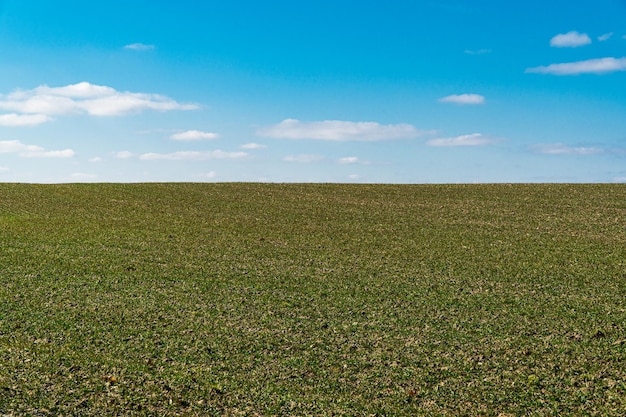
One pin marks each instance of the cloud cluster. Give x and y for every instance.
(571, 39)
(463, 99)
(590, 66)
(338, 130)
(36, 106)
(32, 151)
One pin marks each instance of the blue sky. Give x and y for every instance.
(328, 91)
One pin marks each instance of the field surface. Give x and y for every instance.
(320, 300)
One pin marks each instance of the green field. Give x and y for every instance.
(292, 299)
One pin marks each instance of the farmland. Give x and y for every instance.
(312, 299)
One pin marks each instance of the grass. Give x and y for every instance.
(272, 299)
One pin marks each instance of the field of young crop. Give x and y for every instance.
(312, 299)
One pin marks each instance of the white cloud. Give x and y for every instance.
(562, 149)
(4, 169)
(13, 119)
(139, 47)
(571, 39)
(252, 146)
(591, 66)
(337, 130)
(95, 159)
(605, 37)
(123, 154)
(619, 179)
(66, 153)
(194, 135)
(475, 139)
(192, 155)
(348, 160)
(304, 158)
(85, 98)
(79, 90)
(463, 99)
(10, 146)
(32, 151)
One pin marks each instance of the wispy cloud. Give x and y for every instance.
(303, 158)
(605, 37)
(252, 146)
(348, 160)
(84, 98)
(591, 66)
(13, 119)
(463, 99)
(81, 176)
(477, 52)
(192, 155)
(351, 160)
(475, 139)
(571, 39)
(4, 169)
(562, 149)
(66, 153)
(139, 47)
(32, 151)
(194, 135)
(338, 130)
(207, 175)
(123, 154)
